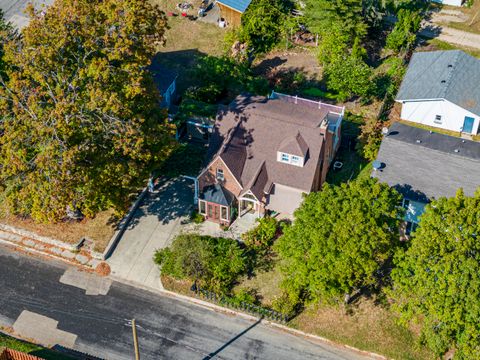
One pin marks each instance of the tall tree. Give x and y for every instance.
(7, 33)
(81, 124)
(348, 14)
(263, 23)
(437, 279)
(340, 238)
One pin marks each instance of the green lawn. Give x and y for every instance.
(187, 41)
(29, 348)
(354, 166)
(435, 44)
(365, 326)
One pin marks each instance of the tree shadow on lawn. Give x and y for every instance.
(181, 61)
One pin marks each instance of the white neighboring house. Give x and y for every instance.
(442, 89)
(449, 2)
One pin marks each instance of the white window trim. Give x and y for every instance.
(200, 207)
(287, 156)
(219, 178)
(221, 217)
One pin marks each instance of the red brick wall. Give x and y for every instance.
(209, 177)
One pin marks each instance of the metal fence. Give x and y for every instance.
(233, 303)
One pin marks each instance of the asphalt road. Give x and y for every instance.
(168, 328)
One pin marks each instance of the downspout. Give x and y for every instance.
(195, 181)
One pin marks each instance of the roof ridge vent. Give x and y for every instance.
(450, 75)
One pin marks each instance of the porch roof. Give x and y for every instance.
(217, 194)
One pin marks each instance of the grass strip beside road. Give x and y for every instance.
(30, 348)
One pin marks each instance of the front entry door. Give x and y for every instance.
(468, 125)
(214, 212)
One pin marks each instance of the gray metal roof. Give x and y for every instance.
(429, 168)
(217, 194)
(452, 75)
(14, 10)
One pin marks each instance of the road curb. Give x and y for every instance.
(218, 308)
(122, 227)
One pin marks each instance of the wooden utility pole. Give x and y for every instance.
(135, 340)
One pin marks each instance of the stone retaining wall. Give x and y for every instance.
(31, 242)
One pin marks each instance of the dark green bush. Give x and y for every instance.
(261, 237)
(196, 217)
(215, 263)
(223, 78)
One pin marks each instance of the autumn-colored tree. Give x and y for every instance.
(82, 125)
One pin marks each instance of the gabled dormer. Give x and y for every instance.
(293, 151)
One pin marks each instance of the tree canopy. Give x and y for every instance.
(263, 23)
(340, 238)
(82, 125)
(321, 14)
(214, 262)
(437, 279)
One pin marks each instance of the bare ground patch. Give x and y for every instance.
(100, 229)
(366, 326)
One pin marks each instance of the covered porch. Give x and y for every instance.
(217, 204)
(248, 204)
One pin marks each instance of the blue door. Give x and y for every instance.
(468, 124)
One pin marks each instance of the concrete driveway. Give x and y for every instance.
(154, 225)
(14, 10)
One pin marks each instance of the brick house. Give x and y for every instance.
(265, 153)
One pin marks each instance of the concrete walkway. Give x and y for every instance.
(153, 227)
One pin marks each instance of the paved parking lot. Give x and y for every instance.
(153, 227)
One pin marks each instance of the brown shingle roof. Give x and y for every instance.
(251, 130)
(294, 145)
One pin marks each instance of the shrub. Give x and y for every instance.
(349, 76)
(247, 296)
(370, 138)
(215, 263)
(263, 23)
(223, 77)
(196, 217)
(403, 35)
(262, 236)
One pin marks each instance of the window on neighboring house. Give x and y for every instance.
(220, 176)
(438, 119)
(411, 227)
(224, 213)
(202, 207)
(285, 158)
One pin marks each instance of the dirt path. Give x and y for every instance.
(452, 36)
(437, 27)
